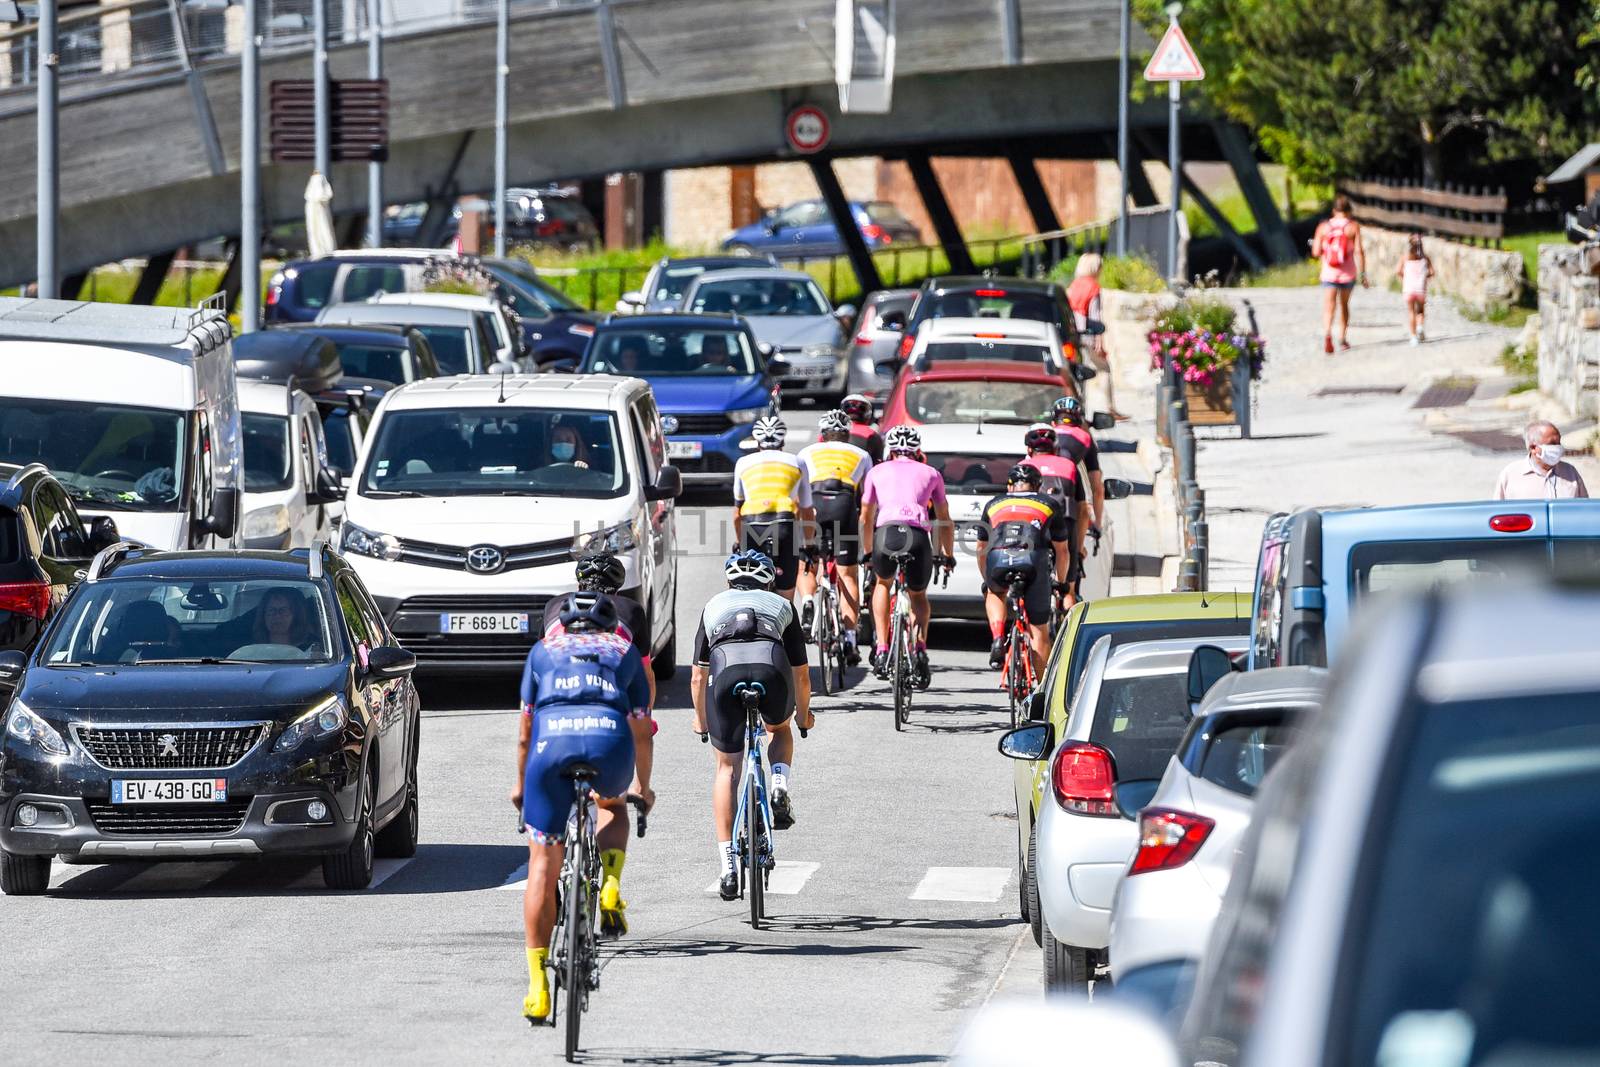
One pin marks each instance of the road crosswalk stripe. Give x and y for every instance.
(982, 884)
(788, 878)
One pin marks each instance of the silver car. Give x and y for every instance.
(1190, 830)
(463, 340)
(663, 288)
(804, 334)
(880, 328)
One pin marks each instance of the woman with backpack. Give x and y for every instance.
(1338, 244)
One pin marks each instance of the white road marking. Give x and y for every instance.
(981, 884)
(788, 878)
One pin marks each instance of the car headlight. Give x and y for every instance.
(270, 521)
(364, 542)
(326, 718)
(29, 729)
(821, 351)
(619, 538)
(743, 416)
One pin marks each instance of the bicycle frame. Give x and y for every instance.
(575, 939)
(754, 825)
(1017, 674)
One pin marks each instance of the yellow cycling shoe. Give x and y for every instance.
(536, 1005)
(613, 921)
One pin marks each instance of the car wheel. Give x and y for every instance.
(1030, 888)
(665, 663)
(398, 840)
(1066, 969)
(742, 250)
(352, 868)
(23, 876)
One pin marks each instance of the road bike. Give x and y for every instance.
(752, 820)
(902, 669)
(1016, 674)
(827, 625)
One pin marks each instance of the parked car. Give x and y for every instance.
(663, 288)
(549, 218)
(952, 340)
(1189, 832)
(374, 351)
(1124, 619)
(980, 394)
(44, 547)
(992, 298)
(464, 521)
(509, 346)
(807, 229)
(554, 326)
(708, 399)
(788, 313)
(1317, 566)
(877, 339)
(462, 340)
(207, 705)
(288, 484)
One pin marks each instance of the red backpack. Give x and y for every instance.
(1336, 243)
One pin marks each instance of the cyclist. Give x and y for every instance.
(1074, 441)
(771, 492)
(1023, 532)
(578, 690)
(836, 469)
(1060, 479)
(748, 633)
(862, 433)
(602, 572)
(895, 502)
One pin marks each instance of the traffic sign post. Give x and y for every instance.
(1174, 61)
(807, 129)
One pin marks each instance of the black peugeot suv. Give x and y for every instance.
(186, 705)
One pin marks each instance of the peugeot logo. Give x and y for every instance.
(669, 423)
(169, 745)
(485, 559)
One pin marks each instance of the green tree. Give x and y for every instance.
(1343, 87)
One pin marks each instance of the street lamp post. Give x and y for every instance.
(374, 168)
(250, 174)
(321, 89)
(1122, 129)
(47, 197)
(502, 71)
(1174, 158)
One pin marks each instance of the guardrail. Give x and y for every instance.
(1174, 430)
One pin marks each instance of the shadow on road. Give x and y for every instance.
(663, 1056)
(816, 924)
(682, 948)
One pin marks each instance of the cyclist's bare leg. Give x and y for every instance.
(723, 803)
(920, 611)
(1038, 646)
(805, 585)
(780, 742)
(880, 613)
(994, 609)
(539, 896)
(849, 596)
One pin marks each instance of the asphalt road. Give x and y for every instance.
(894, 907)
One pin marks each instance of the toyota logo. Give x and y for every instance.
(669, 423)
(485, 559)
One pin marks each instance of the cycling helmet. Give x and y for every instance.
(587, 612)
(769, 432)
(833, 422)
(857, 407)
(1025, 473)
(902, 438)
(1068, 409)
(1040, 438)
(750, 566)
(601, 572)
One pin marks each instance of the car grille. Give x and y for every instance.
(710, 463)
(517, 557)
(152, 748)
(416, 625)
(169, 820)
(702, 425)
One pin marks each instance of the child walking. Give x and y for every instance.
(1414, 271)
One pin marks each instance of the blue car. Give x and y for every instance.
(709, 377)
(807, 229)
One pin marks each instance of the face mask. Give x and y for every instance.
(563, 451)
(1551, 454)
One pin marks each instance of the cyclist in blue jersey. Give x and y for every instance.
(579, 689)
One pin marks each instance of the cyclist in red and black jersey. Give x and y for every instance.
(1074, 441)
(862, 433)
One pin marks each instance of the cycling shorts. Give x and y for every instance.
(1033, 565)
(565, 734)
(761, 662)
(775, 535)
(898, 537)
(839, 525)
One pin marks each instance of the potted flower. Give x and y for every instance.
(1212, 355)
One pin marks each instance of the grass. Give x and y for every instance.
(1497, 314)
(1521, 364)
(1305, 272)
(1527, 245)
(1131, 274)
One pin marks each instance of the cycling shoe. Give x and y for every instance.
(728, 888)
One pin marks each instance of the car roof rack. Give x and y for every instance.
(314, 567)
(108, 557)
(25, 471)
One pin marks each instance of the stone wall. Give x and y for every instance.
(1569, 328)
(1480, 278)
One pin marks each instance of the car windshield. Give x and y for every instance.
(760, 296)
(969, 400)
(670, 352)
(268, 455)
(108, 457)
(1479, 932)
(1239, 756)
(495, 451)
(384, 363)
(1004, 351)
(521, 277)
(452, 347)
(674, 279)
(153, 620)
(1088, 633)
(992, 303)
(1141, 719)
(973, 473)
(883, 211)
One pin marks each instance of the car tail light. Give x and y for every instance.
(455, 244)
(1168, 839)
(274, 294)
(26, 598)
(907, 343)
(1084, 778)
(1070, 351)
(1511, 523)
(991, 336)
(989, 292)
(548, 229)
(875, 232)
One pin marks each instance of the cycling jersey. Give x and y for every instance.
(771, 614)
(1076, 443)
(1060, 476)
(632, 622)
(868, 440)
(748, 637)
(902, 489)
(834, 466)
(837, 470)
(585, 669)
(1022, 528)
(770, 482)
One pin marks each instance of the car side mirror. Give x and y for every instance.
(1082, 372)
(668, 485)
(1118, 488)
(887, 366)
(1028, 742)
(13, 665)
(1093, 327)
(1037, 705)
(224, 517)
(767, 349)
(778, 366)
(1103, 420)
(894, 320)
(102, 534)
(1208, 665)
(630, 301)
(503, 366)
(330, 487)
(391, 661)
(844, 312)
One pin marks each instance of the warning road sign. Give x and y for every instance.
(1174, 60)
(806, 129)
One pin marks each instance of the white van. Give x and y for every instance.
(288, 486)
(133, 409)
(473, 494)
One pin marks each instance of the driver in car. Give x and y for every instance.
(567, 446)
(714, 355)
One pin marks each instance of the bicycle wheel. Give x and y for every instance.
(900, 675)
(820, 610)
(575, 976)
(1017, 676)
(754, 873)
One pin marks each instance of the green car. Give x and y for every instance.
(1126, 619)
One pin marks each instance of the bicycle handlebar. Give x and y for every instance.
(638, 802)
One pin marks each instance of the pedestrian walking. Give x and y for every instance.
(1414, 271)
(1083, 296)
(1542, 474)
(1337, 243)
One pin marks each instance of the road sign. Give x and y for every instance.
(807, 129)
(1174, 60)
(359, 121)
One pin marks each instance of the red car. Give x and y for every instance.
(969, 392)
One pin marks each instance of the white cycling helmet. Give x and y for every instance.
(750, 566)
(833, 422)
(902, 438)
(769, 432)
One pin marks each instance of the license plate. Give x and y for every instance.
(685, 449)
(169, 790)
(819, 370)
(497, 622)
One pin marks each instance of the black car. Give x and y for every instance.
(44, 548)
(393, 354)
(978, 297)
(206, 705)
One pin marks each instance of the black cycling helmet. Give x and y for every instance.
(1068, 409)
(858, 407)
(586, 612)
(600, 572)
(1025, 473)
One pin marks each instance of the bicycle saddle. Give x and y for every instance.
(580, 770)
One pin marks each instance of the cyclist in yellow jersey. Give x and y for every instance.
(772, 501)
(836, 468)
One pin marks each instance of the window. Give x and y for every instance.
(760, 296)
(653, 434)
(60, 530)
(268, 460)
(996, 303)
(1271, 578)
(1005, 351)
(363, 282)
(881, 211)
(1141, 719)
(1124, 632)
(805, 213)
(111, 457)
(452, 347)
(313, 284)
(392, 365)
(528, 288)
(956, 400)
(312, 456)
(1402, 566)
(1240, 756)
(670, 351)
(339, 431)
(361, 628)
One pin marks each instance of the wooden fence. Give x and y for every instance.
(1465, 213)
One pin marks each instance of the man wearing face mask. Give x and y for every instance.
(1542, 474)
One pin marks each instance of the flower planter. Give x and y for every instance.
(1210, 405)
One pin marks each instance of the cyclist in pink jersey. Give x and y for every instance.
(895, 498)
